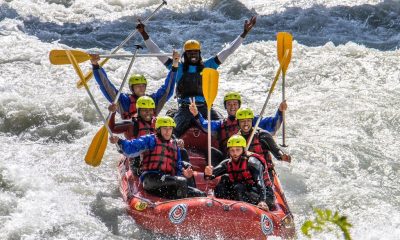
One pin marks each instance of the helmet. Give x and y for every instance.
(137, 79)
(145, 102)
(191, 45)
(165, 122)
(244, 113)
(236, 141)
(233, 96)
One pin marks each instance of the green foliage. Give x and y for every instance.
(324, 221)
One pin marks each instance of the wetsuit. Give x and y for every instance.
(253, 188)
(161, 166)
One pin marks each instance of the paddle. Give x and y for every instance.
(284, 61)
(284, 42)
(210, 89)
(92, 157)
(90, 74)
(59, 57)
(99, 143)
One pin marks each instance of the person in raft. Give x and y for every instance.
(262, 143)
(164, 173)
(229, 126)
(245, 176)
(137, 85)
(189, 79)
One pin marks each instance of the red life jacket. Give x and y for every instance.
(256, 147)
(143, 128)
(239, 172)
(132, 108)
(162, 158)
(228, 128)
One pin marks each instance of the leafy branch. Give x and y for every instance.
(323, 222)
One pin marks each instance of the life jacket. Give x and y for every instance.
(256, 147)
(190, 84)
(239, 172)
(162, 158)
(228, 128)
(132, 108)
(143, 128)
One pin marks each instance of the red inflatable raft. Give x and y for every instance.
(208, 217)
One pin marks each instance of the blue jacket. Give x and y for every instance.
(108, 89)
(270, 124)
(209, 63)
(133, 148)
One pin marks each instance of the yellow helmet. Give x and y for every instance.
(191, 45)
(145, 102)
(137, 79)
(244, 113)
(165, 122)
(236, 141)
(233, 96)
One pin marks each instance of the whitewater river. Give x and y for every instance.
(343, 120)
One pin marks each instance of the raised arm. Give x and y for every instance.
(165, 92)
(228, 50)
(106, 86)
(215, 124)
(153, 48)
(272, 124)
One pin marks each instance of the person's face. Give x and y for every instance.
(231, 107)
(235, 153)
(166, 132)
(146, 114)
(193, 56)
(138, 89)
(245, 124)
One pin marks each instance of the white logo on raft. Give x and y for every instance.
(267, 226)
(177, 214)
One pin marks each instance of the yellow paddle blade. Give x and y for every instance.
(97, 147)
(89, 75)
(59, 57)
(284, 42)
(210, 85)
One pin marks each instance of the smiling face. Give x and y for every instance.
(193, 56)
(231, 107)
(245, 125)
(146, 114)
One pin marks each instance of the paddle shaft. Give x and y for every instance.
(266, 101)
(135, 31)
(209, 135)
(283, 112)
(90, 74)
(137, 55)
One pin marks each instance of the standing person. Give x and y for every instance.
(137, 85)
(246, 179)
(162, 166)
(189, 80)
(263, 143)
(229, 125)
